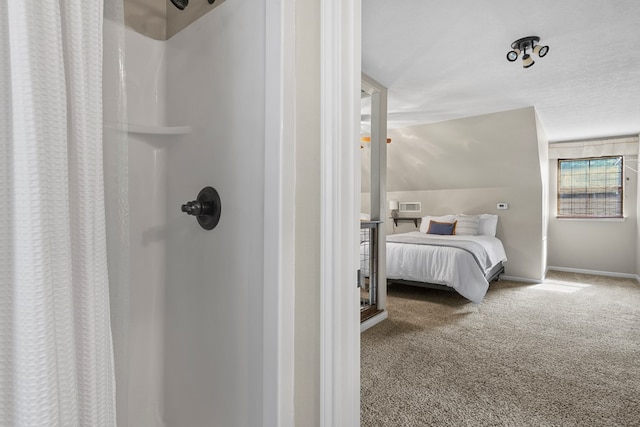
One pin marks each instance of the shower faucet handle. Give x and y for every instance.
(206, 208)
(192, 208)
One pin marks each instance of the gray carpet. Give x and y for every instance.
(566, 353)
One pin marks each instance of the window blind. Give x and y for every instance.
(590, 188)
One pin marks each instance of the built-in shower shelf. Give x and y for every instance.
(159, 130)
(152, 129)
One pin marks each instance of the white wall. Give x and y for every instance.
(468, 166)
(213, 366)
(638, 221)
(543, 159)
(607, 246)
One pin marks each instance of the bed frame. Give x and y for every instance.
(493, 275)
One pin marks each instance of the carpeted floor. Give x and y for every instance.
(563, 353)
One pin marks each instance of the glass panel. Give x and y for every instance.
(590, 187)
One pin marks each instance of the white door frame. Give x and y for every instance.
(340, 170)
(339, 123)
(279, 216)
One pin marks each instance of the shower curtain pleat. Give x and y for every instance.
(6, 220)
(56, 349)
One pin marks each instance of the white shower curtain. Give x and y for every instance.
(56, 353)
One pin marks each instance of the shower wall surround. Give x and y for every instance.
(146, 88)
(196, 296)
(213, 347)
(146, 82)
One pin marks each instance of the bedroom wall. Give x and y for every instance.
(638, 223)
(543, 158)
(605, 245)
(468, 166)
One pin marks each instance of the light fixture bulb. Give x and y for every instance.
(541, 50)
(527, 61)
(513, 55)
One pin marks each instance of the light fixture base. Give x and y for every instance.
(525, 42)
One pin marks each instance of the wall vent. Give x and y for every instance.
(410, 207)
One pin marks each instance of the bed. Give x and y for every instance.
(465, 262)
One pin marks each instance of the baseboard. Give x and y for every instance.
(596, 272)
(518, 279)
(372, 321)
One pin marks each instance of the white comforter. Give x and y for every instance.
(445, 265)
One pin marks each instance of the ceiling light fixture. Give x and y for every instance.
(521, 46)
(181, 4)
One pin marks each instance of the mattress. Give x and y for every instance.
(463, 263)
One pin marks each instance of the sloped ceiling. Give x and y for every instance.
(147, 17)
(160, 20)
(447, 60)
(466, 153)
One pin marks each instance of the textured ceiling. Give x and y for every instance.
(447, 60)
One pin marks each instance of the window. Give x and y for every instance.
(590, 188)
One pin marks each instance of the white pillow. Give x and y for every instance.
(424, 224)
(467, 225)
(487, 225)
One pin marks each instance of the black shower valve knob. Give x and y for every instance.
(192, 208)
(207, 208)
